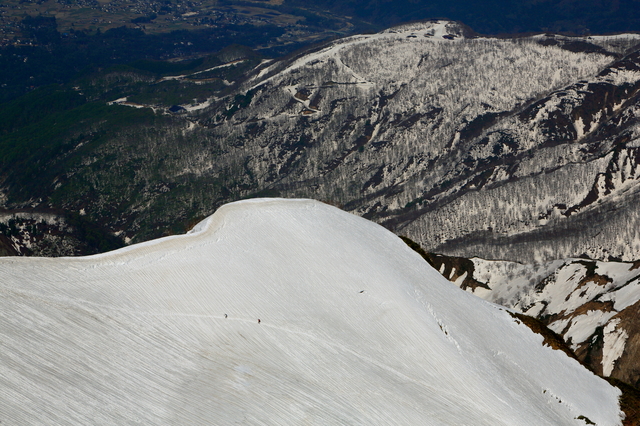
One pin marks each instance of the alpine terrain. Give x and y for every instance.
(523, 149)
(274, 312)
(592, 305)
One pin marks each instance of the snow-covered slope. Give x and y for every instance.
(593, 305)
(273, 312)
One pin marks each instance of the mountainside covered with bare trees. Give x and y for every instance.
(520, 149)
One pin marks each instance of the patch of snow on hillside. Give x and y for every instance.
(614, 342)
(624, 36)
(227, 65)
(197, 106)
(579, 126)
(509, 281)
(624, 297)
(581, 327)
(435, 31)
(118, 101)
(173, 77)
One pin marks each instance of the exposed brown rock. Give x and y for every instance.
(551, 338)
(627, 367)
(302, 94)
(454, 268)
(594, 305)
(601, 280)
(590, 352)
(629, 402)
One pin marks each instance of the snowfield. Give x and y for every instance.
(274, 312)
(585, 301)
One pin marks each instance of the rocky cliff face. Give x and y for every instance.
(522, 149)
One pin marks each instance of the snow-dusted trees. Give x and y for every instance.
(439, 137)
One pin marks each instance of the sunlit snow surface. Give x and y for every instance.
(355, 329)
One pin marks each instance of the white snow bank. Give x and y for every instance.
(355, 329)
